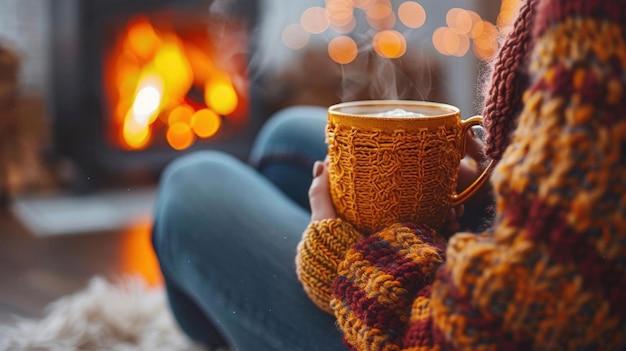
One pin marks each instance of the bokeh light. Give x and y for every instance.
(412, 14)
(342, 49)
(315, 20)
(459, 20)
(380, 10)
(295, 37)
(389, 44)
(180, 114)
(136, 135)
(205, 123)
(180, 136)
(340, 12)
(221, 97)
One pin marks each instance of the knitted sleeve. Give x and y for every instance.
(378, 281)
(322, 248)
(552, 276)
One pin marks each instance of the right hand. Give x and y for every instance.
(319, 193)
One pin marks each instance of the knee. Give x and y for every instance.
(295, 119)
(293, 129)
(183, 175)
(188, 186)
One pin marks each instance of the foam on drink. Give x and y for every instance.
(398, 112)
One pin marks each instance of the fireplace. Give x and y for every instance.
(137, 83)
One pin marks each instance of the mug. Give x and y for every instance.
(387, 167)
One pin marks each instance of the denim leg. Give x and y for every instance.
(226, 240)
(287, 146)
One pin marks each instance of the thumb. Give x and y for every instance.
(475, 146)
(319, 194)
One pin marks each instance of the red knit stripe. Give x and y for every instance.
(368, 310)
(386, 256)
(545, 223)
(594, 89)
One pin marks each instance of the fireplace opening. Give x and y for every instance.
(174, 81)
(135, 84)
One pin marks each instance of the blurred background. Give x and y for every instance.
(124, 87)
(97, 96)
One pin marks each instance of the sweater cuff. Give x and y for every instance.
(323, 246)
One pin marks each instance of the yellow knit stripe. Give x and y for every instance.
(360, 335)
(373, 281)
(420, 311)
(383, 286)
(319, 253)
(601, 39)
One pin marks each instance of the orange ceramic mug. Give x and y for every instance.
(387, 167)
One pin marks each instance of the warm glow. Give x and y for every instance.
(205, 123)
(340, 12)
(173, 67)
(438, 40)
(180, 136)
(142, 39)
(342, 49)
(389, 44)
(159, 71)
(459, 20)
(486, 43)
(315, 20)
(221, 97)
(463, 46)
(135, 135)
(412, 14)
(508, 12)
(295, 37)
(380, 10)
(477, 24)
(180, 114)
(137, 254)
(147, 102)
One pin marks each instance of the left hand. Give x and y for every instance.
(319, 193)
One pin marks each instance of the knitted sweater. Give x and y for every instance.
(550, 274)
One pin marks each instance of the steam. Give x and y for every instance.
(368, 76)
(377, 77)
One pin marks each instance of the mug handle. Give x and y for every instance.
(466, 194)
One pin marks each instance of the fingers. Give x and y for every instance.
(319, 193)
(451, 225)
(475, 147)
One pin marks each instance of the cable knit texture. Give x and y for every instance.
(322, 248)
(550, 274)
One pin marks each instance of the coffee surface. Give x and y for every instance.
(398, 112)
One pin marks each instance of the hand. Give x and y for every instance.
(469, 169)
(319, 193)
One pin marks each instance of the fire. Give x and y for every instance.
(169, 85)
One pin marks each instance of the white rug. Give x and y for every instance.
(124, 315)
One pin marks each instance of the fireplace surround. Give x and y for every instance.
(87, 126)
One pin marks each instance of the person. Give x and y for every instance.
(549, 272)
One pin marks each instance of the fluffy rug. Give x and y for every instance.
(123, 315)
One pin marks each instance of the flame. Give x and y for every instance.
(171, 85)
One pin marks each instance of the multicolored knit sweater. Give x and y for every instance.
(550, 274)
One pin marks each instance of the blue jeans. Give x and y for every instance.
(225, 233)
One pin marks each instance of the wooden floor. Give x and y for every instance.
(36, 271)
